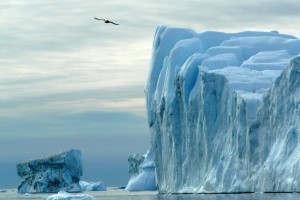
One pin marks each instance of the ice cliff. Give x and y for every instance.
(51, 174)
(142, 171)
(223, 111)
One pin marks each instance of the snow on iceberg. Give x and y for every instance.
(142, 172)
(223, 111)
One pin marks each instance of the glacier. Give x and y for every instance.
(223, 111)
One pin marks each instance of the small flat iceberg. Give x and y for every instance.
(67, 196)
(97, 186)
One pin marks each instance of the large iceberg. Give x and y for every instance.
(61, 171)
(224, 111)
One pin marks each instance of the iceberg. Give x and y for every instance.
(224, 111)
(92, 186)
(142, 170)
(67, 196)
(82, 186)
(61, 171)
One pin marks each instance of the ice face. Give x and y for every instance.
(52, 173)
(223, 111)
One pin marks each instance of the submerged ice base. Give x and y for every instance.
(223, 111)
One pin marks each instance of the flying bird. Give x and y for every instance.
(106, 21)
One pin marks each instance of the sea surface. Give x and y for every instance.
(112, 194)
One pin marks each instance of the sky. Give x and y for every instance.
(69, 81)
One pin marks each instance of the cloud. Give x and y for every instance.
(56, 51)
(58, 123)
(123, 99)
(230, 16)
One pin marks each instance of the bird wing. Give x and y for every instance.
(98, 18)
(113, 23)
(106, 21)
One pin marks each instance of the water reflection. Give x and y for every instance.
(254, 196)
(101, 196)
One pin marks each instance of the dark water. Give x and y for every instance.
(208, 197)
(257, 196)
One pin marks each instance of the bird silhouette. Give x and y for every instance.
(106, 21)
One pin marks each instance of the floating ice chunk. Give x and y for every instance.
(73, 188)
(142, 174)
(28, 195)
(98, 186)
(92, 186)
(84, 185)
(67, 196)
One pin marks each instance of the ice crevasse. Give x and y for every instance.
(224, 111)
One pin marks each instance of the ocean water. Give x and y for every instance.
(125, 195)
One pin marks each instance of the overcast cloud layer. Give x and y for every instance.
(69, 81)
